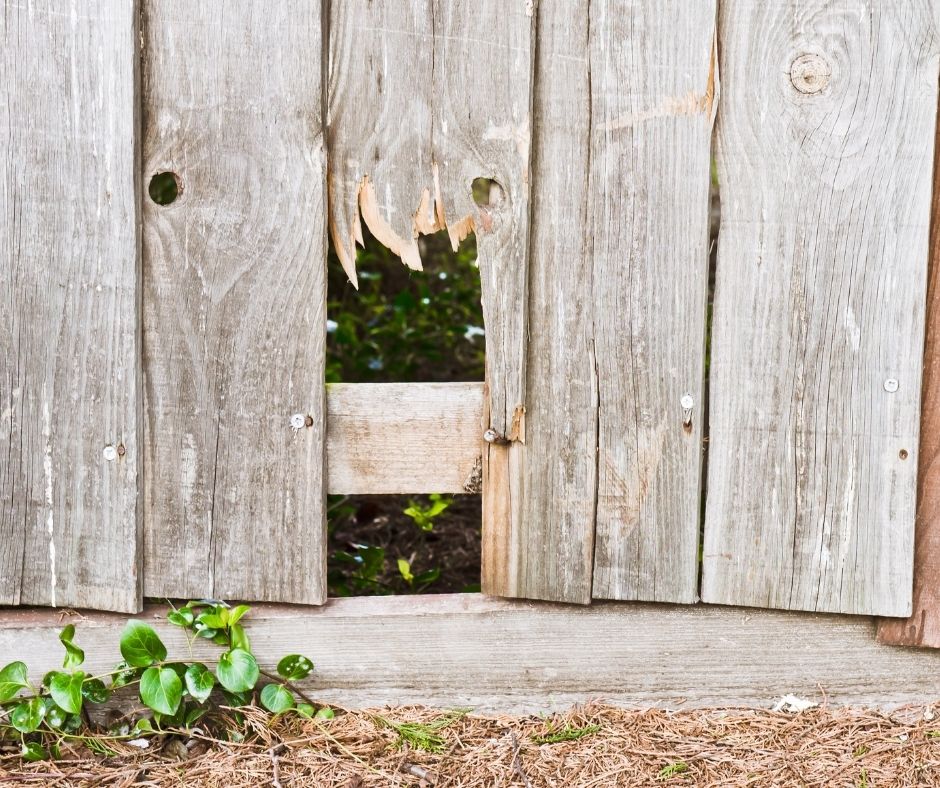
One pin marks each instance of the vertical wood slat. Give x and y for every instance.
(922, 628)
(653, 100)
(69, 372)
(234, 301)
(424, 99)
(824, 155)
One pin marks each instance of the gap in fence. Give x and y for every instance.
(405, 326)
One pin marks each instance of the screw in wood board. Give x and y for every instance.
(891, 385)
(109, 453)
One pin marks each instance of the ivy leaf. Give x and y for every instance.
(275, 698)
(66, 690)
(143, 726)
(181, 618)
(123, 674)
(294, 667)
(140, 645)
(33, 751)
(199, 681)
(237, 670)
(211, 620)
(13, 678)
(161, 690)
(326, 713)
(305, 710)
(95, 691)
(193, 716)
(27, 716)
(74, 656)
(236, 613)
(239, 639)
(55, 717)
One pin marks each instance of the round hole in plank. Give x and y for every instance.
(487, 193)
(164, 188)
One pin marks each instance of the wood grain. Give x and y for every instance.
(824, 154)
(234, 302)
(388, 438)
(69, 289)
(922, 628)
(653, 89)
(467, 650)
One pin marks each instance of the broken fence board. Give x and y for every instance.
(69, 370)
(923, 626)
(825, 135)
(653, 88)
(469, 650)
(234, 302)
(388, 438)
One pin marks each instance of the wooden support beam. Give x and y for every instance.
(471, 650)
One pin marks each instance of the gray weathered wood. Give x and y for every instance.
(69, 371)
(424, 99)
(539, 498)
(653, 89)
(386, 438)
(467, 650)
(825, 137)
(234, 301)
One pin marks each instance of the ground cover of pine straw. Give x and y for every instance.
(608, 747)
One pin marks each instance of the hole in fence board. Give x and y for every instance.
(405, 326)
(164, 188)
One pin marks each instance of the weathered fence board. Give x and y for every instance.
(538, 534)
(69, 372)
(426, 98)
(388, 438)
(653, 88)
(234, 302)
(824, 153)
(923, 626)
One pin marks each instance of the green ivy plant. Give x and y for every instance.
(178, 693)
(425, 515)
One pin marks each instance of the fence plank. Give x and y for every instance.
(653, 88)
(824, 154)
(69, 372)
(234, 302)
(387, 438)
(923, 626)
(425, 98)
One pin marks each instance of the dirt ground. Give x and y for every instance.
(594, 746)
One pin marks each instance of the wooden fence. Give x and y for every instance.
(164, 425)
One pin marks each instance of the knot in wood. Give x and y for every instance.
(810, 73)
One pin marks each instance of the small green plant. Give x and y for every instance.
(424, 516)
(672, 770)
(177, 692)
(860, 751)
(568, 733)
(420, 735)
(863, 779)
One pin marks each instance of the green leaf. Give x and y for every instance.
(275, 698)
(122, 675)
(305, 710)
(74, 656)
(404, 569)
(161, 690)
(140, 645)
(66, 691)
(237, 670)
(27, 716)
(239, 639)
(326, 713)
(143, 726)
(199, 681)
(193, 716)
(13, 678)
(33, 751)
(294, 667)
(236, 613)
(95, 691)
(55, 717)
(211, 620)
(181, 618)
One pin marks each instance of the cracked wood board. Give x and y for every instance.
(69, 371)
(824, 148)
(390, 438)
(654, 92)
(425, 98)
(234, 302)
(923, 626)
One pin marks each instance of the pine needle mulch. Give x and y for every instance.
(591, 746)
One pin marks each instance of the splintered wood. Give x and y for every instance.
(69, 334)
(234, 302)
(825, 143)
